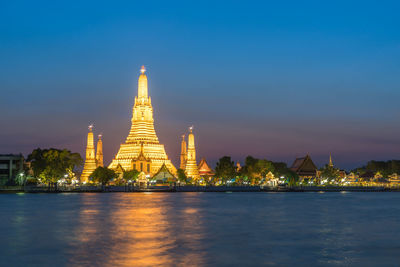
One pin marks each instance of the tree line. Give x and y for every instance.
(51, 165)
(385, 168)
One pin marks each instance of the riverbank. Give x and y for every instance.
(227, 189)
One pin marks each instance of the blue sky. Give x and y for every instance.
(272, 79)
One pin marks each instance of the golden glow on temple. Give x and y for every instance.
(191, 168)
(90, 162)
(99, 152)
(142, 150)
(183, 153)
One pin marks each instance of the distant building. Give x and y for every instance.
(378, 175)
(342, 174)
(304, 167)
(352, 178)
(271, 180)
(367, 176)
(394, 178)
(10, 166)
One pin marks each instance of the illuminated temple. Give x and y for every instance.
(142, 150)
(90, 161)
(191, 168)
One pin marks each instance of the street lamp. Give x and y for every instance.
(21, 178)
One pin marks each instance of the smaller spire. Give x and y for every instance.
(183, 137)
(143, 69)
(330, 160)
(100, 136)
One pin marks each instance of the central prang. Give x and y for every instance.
(142, 150)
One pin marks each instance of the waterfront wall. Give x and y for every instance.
(94, 189)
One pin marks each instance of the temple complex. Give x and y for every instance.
(99, 152)
(191, 168)
(142, 150)
(90, 161)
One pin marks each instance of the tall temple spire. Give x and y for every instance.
(191, 169)
(183, 153)
(90, 161)
(142, 138)
(142, 84)
(99, 152)
(330, 161)
(142, 128)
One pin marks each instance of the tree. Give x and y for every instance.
(182, 178)
(52, 164)
(131, 175)
(225, 169)
(209, 180)
(330, 173)
(103, 175)
(385, 168)
(281, 170)
(255, 170)
(262, 168)
(37, 160)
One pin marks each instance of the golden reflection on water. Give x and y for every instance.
(136, 230)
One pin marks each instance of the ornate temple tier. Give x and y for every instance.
(142, 150)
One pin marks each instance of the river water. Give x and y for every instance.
(200, 229)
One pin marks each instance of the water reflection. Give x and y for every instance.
(213, 229)
(139, 230)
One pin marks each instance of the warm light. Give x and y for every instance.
(142, 145)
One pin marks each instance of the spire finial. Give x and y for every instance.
(183, 136)
(191, 128)
(143, 69)
(90, 127)
(100, 135)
